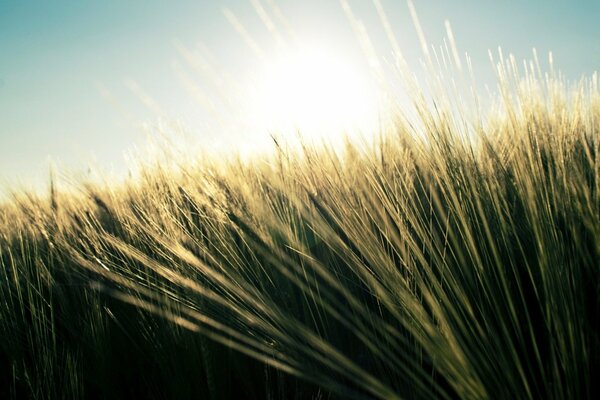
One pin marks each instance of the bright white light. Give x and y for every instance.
(315, 92)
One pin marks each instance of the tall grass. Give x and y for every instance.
(455, 256)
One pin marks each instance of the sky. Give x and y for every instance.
(76, 76)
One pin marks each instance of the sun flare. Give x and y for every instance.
(315, 92)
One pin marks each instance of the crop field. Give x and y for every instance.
(454, 256)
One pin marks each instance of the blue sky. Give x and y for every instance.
(57, 58)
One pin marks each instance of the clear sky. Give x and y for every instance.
(67, 67)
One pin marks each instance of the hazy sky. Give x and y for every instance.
(66, 67)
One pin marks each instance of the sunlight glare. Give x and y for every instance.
(315, 92)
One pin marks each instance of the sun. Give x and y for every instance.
(316, 92)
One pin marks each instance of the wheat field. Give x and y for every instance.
(456, 256)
